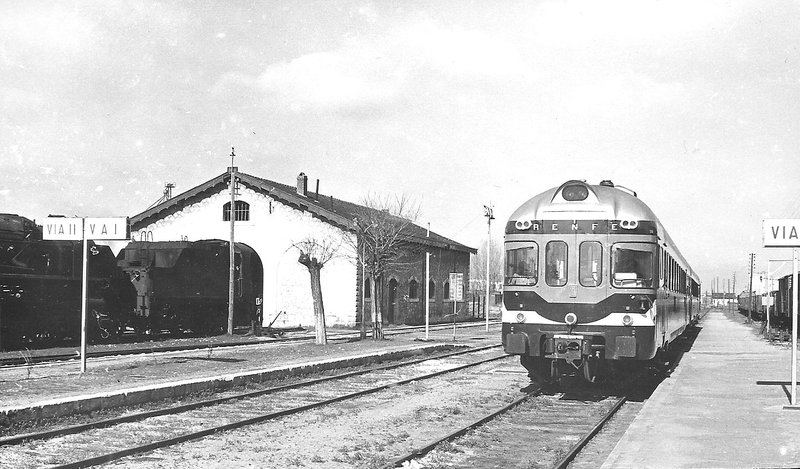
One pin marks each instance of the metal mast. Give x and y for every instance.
(230, 244)
(489, 214)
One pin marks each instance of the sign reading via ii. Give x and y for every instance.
(59, 228)
(782, 233)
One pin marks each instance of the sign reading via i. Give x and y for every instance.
(59, 228)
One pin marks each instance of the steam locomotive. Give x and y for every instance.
(182, 285)
(40, 287)
(150, 287)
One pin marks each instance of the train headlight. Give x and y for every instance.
(627, 320)
(571, 319)
(575, 193)
(520, 317)
(629, 224)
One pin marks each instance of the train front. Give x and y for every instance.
(581, 281)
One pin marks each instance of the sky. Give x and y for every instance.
(456, 105)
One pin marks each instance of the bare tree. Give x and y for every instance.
(314, 254)
(496, 267)
(382, 227)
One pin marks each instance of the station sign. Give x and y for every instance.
(781, 233)
(457, 286)
(61, 228)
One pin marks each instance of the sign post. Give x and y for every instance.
(457, 294)
(785, 233)
(83, 229)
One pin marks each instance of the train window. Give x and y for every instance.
(590, 270)
(555, 258)
(522, 263)
(632, 265)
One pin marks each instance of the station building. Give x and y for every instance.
(272, 217)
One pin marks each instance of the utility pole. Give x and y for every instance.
(230, 245)
(427, 285)
(489, 214)
(750, 290)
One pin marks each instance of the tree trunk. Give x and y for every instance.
(364, 319)
(377, 316)
(319, 307)
(314, 269)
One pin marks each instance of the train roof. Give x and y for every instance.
(578, 200)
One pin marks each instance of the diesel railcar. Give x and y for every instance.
(40, 288)
(593, 283)
(182, 286)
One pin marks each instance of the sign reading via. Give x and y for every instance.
(781, 233)
(96, 228)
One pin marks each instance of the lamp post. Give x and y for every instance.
(488, 213)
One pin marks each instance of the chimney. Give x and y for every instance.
(302, 184)
(317, 196)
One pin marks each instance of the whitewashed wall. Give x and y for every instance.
(271, 231)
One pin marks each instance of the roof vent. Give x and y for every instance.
(606, 183)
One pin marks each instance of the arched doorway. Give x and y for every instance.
(390, 311)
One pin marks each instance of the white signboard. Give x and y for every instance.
(83, 229)
(60, 228)
(781, 233)
(457, 287)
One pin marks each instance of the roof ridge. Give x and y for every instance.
(342, 217)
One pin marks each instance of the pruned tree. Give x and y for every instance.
(477, 269)
(314, 254)
(382, 228)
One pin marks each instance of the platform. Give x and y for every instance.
(711, 413)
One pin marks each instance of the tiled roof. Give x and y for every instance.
(325, 207)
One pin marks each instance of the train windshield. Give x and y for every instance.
(632, 265)
(522, 263)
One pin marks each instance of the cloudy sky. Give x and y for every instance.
(695, 105)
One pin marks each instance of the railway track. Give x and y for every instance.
(28, 359)
(536, 430)
(126, 435)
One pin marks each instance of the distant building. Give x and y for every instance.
(270, 217)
